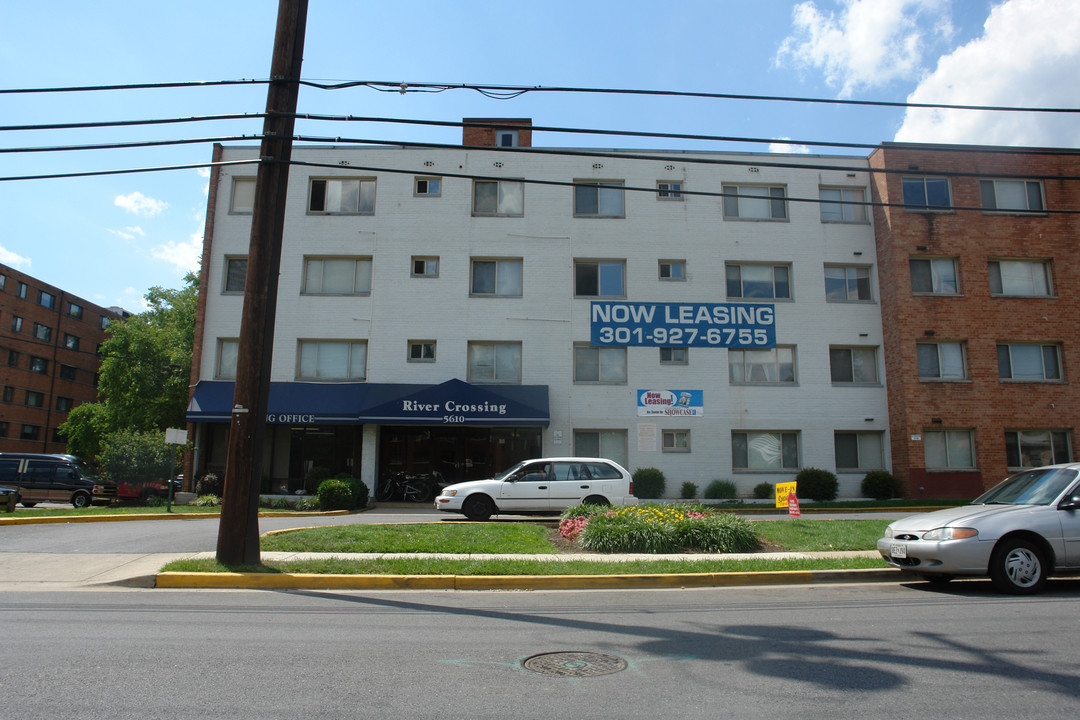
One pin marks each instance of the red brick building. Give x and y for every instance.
(48, 359)
(979, 277)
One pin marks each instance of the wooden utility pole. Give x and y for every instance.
(238, 532)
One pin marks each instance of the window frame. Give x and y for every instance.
(318, 344)
(938, 344)
(786, 464)
(64, 404)
(361, 207)
(46, 299)
(856, 206)
(997, 279)
(777, 366)
(851, 365)
(427, 260)
(988, 193)
(907, 181)
(613, 436)
(356, 261)
(236, 181)
(42, 332)
(34, 399)
(75, 310)
(512, 346)
(861, 466)
(675, 435)
(501, 266)
(581, 192)
(499, 196)
(220, 369)
(427, 181)
(669, 190)
(848, 282)
(16, 324)
(581, 263)
(735, 193)
(601, 354)
(1043, 349)
(931, 261)
(71, 342)
(742, 297)
(66, 372)
(1057, 454)
(671, 276)
(230, 273)
(422, 345)
(673, 353)
(947, 433)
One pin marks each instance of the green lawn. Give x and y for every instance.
(528, 538)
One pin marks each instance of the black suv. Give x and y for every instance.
(40, 477)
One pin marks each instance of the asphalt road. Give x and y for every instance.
(856, 651)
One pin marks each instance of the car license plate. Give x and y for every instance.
(898, 551)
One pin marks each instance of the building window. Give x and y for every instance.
(674, 356)
(934, 276)
(71, 342)
(755, 202)
(495, 278)
(67, 372)
(843, 205)
(332, 360)
(421, 351)
(506, 138)
(64, 404)
(3, 281)
(765, 450)
(427, 267)
(941, 361)
(599, 364)
(758, 282)
(16, 324)
(35, 399)
(859, 451)
(13, 358)
(243, 195)
(39, 365)
(847, 283)
(853, 365)
(9, 394)
(105, 322)
(227, 351)
(20, 292)
(75, 311)
(1023, 278)
(762, 367)
(1029, 363)
(601, 278)
(235, 274)
(499, 197)
(676, 441)
(428, 187)
(668, 190)
(948, 449)
(610, 444)
(495, 362)
(29, 432)
(3, 426)
(342, 197)
(47, 300)
(926, 192)
(1012, 195)
(1035, 448)
(672, 269)
(337, 276)
(602, 199)
(42, 332)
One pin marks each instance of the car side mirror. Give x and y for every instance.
(1072, 503)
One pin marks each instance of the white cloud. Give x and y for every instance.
(781, 146)
(139, 204)
(14, 259)
(1028, 56)
(184, 255)
(871, 43)
(129, 232)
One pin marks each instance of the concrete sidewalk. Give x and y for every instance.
(44, 571)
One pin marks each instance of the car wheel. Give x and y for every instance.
(27, 504)
(80, 500)
(1018, 567)
(478, 508)
(595, 500)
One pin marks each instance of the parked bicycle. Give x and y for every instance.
(418, 488)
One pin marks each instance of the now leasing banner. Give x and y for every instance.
(719, 325)
(671, 403)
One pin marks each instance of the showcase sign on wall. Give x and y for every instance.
(671, 403)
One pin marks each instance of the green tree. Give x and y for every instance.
(144, 374)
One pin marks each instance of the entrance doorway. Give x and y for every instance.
(458, 454)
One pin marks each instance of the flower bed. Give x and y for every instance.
(657, 529)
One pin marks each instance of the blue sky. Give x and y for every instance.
(108, 239)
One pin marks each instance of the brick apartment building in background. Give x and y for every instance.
(979, 271)
(48, 359)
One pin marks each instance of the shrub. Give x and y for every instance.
(277, 503)
(156, 501)
(207, 500)
(310, 502)
(880, 485)
(648, 483)
(816, 484)
(130, 456)
(209, 484)
(661, 529)
(689, 491)
(334, 494)
(359, 491)
(720, 490)
(764, 491)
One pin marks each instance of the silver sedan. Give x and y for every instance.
(1018, 533)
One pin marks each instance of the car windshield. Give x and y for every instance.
(511, 471)
(1034, 487)
(86, 471)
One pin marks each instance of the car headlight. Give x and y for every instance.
(950, 533)
(888, 532)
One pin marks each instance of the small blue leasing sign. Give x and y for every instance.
(719, 325)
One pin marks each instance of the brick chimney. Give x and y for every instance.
(504, 132)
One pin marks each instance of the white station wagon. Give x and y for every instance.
(546, 486)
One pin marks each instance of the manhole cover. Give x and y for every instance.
(574, 664)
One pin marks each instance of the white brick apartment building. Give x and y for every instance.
(435, 312)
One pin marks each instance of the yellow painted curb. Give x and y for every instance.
(307, 581)
(48, 519)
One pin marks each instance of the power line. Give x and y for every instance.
(132, 123)
(133, 144)
(128, 171)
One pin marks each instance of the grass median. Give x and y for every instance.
(535, 539)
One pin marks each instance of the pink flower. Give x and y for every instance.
(572, 527)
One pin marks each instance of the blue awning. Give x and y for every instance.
(452, 402)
